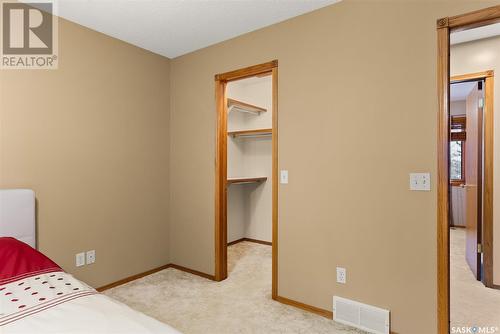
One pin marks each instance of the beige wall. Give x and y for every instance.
(91, 139)
(97, 138)
(474, 57)
(352, 77)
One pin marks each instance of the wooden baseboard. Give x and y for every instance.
(131, 278)
(262, 242)
(194, 272)
(305, 307)
(234, 242)
(152, 271)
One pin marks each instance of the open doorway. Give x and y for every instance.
(246, 197)
(473, 300)
(467, 295)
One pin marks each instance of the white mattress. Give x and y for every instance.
(90, 314)
(95, 314)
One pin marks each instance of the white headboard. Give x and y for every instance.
(17, 215)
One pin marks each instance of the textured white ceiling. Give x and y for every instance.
(175, 27)
(460, 91)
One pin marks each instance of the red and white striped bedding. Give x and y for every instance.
(37, 296)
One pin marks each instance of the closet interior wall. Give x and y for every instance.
(249, 206)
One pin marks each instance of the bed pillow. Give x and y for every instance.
(19, 260)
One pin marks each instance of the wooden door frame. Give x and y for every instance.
(221, 81)
(444, 27)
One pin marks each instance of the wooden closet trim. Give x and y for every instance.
(444, 27)
(274, 293)
(221, 80)
(256, 70)
(220, 182)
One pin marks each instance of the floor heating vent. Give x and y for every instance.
(366, 317)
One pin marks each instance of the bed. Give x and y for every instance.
(37, 296)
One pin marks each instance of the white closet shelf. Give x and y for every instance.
(244, 180)
(236, 105)
(251, 133)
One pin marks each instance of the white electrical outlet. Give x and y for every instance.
(341, 275)
(90, 256)
(80, 259)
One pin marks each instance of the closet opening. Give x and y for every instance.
(246, 192)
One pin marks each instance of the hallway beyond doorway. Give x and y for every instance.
(472, 304)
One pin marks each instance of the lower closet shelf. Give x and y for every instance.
(244, 180)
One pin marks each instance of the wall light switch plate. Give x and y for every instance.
(284, 177)
(90, 256)
(80, 259)
(341, 275)
(420, 181)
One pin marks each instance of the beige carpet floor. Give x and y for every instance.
(240, 304)
(472, 304)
